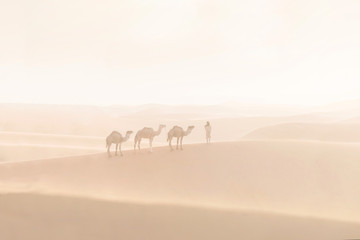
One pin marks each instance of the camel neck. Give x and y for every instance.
(158, 131)
(187, 132)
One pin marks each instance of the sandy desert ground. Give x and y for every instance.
(248, 189)
(282, 176)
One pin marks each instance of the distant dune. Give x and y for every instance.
(48, 131)
(354, 120)
(99, 121)
(20, 146)
(337, 132)
(21, 152)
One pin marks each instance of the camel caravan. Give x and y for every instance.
(149, 133)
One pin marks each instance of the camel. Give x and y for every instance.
(147, 133)
(179, 133)
(116, 138)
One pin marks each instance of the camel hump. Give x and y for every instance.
(115, 132)
(146, 128)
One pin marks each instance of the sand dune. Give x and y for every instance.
(287, 177)
(263, 187)
(235, 190)
(58, 218)
(338, 132)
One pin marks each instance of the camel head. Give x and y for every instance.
(189, 129)
(161, 126)
(127, 136)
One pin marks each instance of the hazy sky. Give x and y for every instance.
(188, 51)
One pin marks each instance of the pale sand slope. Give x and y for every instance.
(337, 132)
(38, 217)
(296, 177)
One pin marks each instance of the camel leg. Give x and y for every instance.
(177, 144)
(116, 148)
(139, 143)
(108, 150)
(150, 141)
(171, 148)
(181, 148)
(135, 142)
(121, 154)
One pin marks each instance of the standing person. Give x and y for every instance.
(208, 132)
